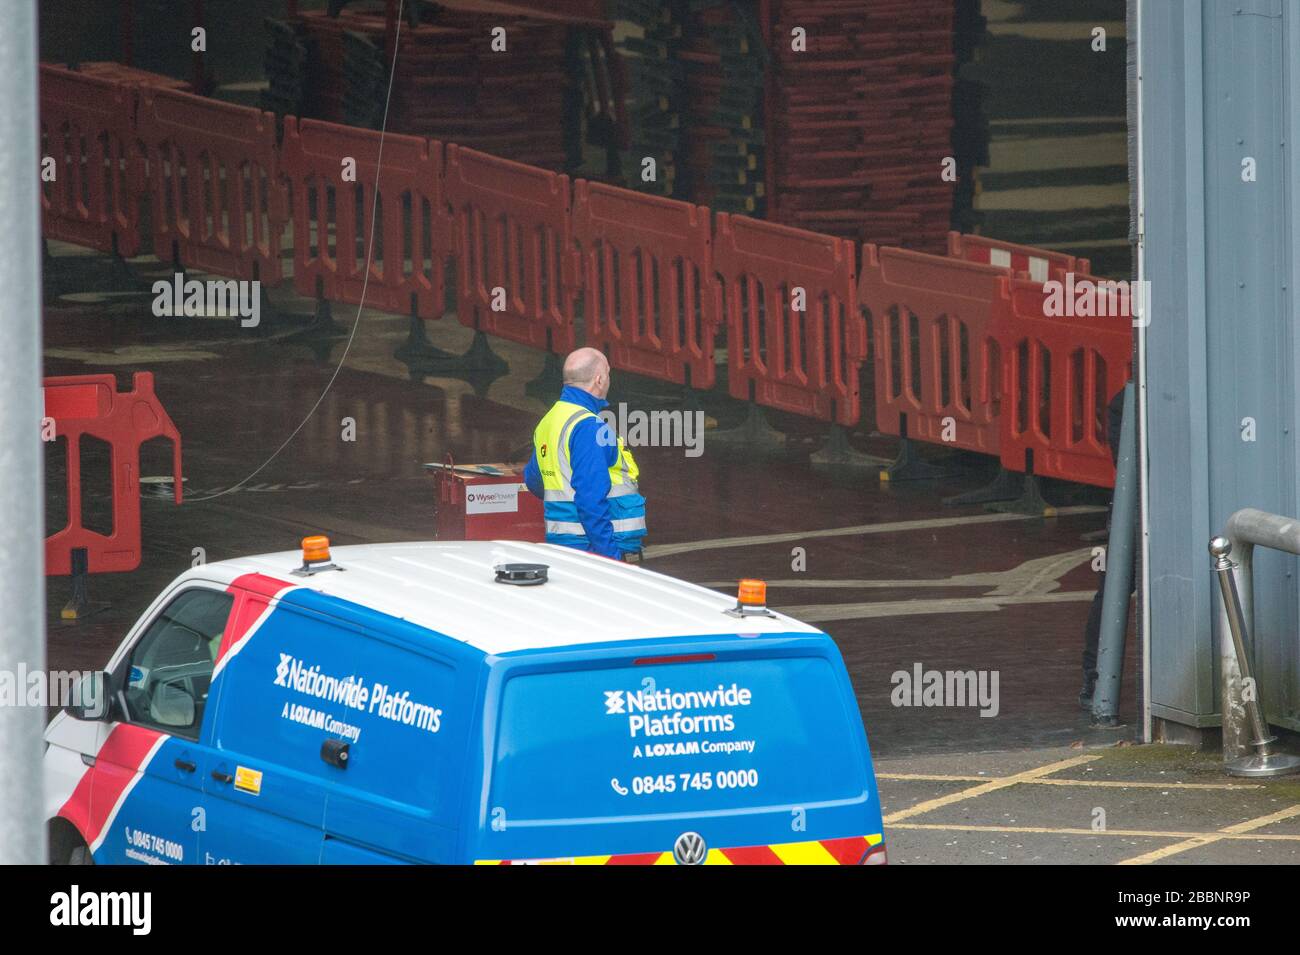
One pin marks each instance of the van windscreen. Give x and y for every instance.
(676, 738)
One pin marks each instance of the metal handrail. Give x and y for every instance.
(1245, 530)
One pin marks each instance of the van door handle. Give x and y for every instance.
(221, 777)
(185, 766)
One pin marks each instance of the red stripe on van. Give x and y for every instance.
(253, 594)
(117, 765)
(847, 851)
(752, 855)
(639, 858)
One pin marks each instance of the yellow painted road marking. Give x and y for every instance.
(1206, 839)
(992, 785)
(1112, 783)
(1127, 784)
(1137, 833)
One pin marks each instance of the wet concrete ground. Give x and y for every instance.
(897, 578)
(1135, 805)
(887, 569)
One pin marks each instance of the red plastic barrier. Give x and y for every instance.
(87, 128)
(650, 295)
(935, 354)
(132, 76)
(804, 362)
(217, 196)
(91, 405)
(1041, 264)
(1060, 373)
(332, 219)
(513, 232)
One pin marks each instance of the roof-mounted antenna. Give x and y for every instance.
(521, 575)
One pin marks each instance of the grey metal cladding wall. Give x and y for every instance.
(1218, 89)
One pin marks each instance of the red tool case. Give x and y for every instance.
(485, 502)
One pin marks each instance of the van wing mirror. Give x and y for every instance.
(92, 698)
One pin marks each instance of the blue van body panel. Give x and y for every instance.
(557, 747)
(401, 794)
(456, 756)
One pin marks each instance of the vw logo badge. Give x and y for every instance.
(689, 849)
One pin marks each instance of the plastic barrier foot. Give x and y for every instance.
(1007, 486)
(423, 357)
(754, 433)
(693, 406)
(479, 365)
(78, 605)
(79, 602)
(837, 452)
(909, 466)
(1030, 501)
(322, 320)
(122, 270)
(417, 342)
(480, 359)
(549, 381)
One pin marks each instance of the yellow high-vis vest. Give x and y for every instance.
(563, 525)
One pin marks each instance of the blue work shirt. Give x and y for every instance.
(591, 457)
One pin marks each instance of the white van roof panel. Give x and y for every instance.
(450, 587)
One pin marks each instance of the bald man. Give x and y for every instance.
(586, 478)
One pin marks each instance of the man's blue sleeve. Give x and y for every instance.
(533, 476)
(591, 460)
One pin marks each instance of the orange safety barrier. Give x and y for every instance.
(1060, 373)
(87, 127)
(935, 355)
(332, 218)
(91, 405)
(964, 337)
(514, 245)
(650, 298)
(218, 202)
(1040, 264)
(804, 361)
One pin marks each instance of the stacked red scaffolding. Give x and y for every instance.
(978, 349)
(456, 81)
(862, 119)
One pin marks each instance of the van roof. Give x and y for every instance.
(450, 587)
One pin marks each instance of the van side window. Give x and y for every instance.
(171, 666)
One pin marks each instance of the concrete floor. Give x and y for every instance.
(1129, 805)
(898, 579)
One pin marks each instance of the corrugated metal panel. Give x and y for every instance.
(1218, 88)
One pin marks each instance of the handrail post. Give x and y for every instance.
(1263, 761)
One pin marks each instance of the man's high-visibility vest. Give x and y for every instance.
(563, 526)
